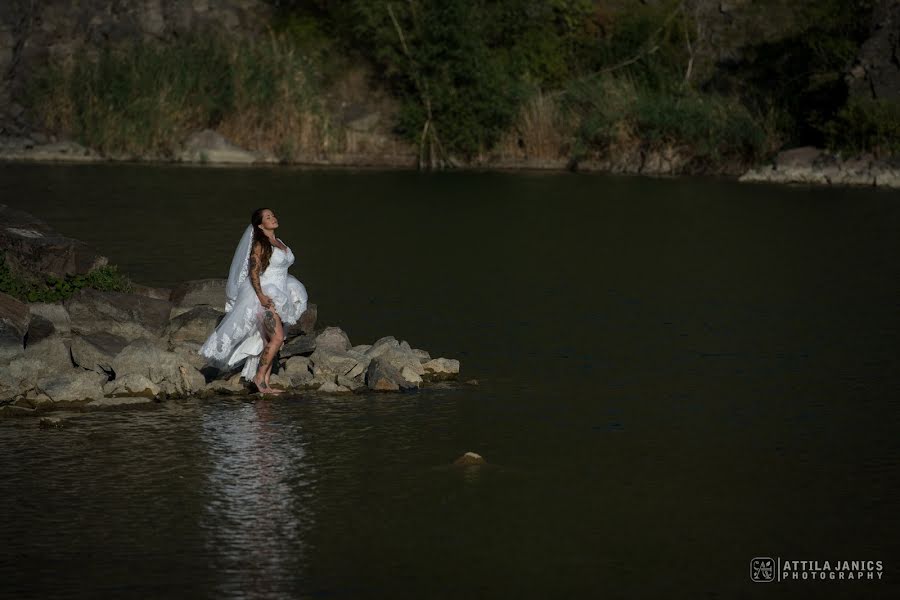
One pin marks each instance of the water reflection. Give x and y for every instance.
(259, 508)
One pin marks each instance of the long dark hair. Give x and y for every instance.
(260, 238)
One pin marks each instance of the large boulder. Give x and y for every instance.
(326, 361)
(209, 146)
(333, 339)
(72, 386)
(381, 376)
(14, 319)
(307, 323)
(441, 368)
(299, 370)
(130, 316)
(96, 351)
(300, 345)
(174, 375)
(199, 292)
(55, 313)
(32, 249)
(193, 326)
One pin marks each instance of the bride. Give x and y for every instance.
(261, 298)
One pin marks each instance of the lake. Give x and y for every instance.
(675, 376)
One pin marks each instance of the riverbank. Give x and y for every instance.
(801, 166)
(107, 348)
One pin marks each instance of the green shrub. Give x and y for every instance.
(55, 289)
(866, 125)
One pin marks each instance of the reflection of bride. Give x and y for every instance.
(261, 297)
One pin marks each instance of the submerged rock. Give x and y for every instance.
(470, 459)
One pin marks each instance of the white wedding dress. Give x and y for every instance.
(240, 336)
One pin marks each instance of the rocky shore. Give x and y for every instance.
(815, 166)
(101, 349)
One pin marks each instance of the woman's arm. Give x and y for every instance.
(254, 272)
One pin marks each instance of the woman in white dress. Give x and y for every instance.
(261, 298)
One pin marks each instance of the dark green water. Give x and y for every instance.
(676, 376)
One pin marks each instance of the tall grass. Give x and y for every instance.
(144, 100)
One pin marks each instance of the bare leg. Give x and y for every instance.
(275, 335)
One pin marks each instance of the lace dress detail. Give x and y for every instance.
(240, 336)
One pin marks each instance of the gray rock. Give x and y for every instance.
(199, 292)
(400, 360)
(50, 423)
(303, 344)
(119, 402)
(382, 345)
(299, 370)
(55, 313)
(52, 353)
(189, 352)
(209, 146)
(14, 320)
(334, 388)
(33, 250)
(333, 339)
(194, 326)
(73, 386)
(441, 368)
(381, 376)
(307, 323)
(470, 459)
(151, 292)
(338, 363)
(39, 328)
(229, 387)
(130, 316)
(130, 385)
(422, 355)
(174, 375)
(96, 351)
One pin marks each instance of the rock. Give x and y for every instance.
(9, 410)
(333, 339)
(96, 351)
(55, 313)
(797, 157)
(73, 386)
(303, 344)
(199, 292)
(209, 146)
(361, 348)
(130, 385)
(333, 388)
(14, 320)
(50, 423)
(381, 376)
(130, 316)
(194, 326)
(230, 387)
(351, 383)
(338, 363)
(33, 250)
(51, 352)
(400, 360)
(119, 402)
(151, 292)
(472, 382)
(441, 368)
(876, 72)
(174, 375)
(307, 323)
(280, 382)
(422, 355)
(410, 376)
(299, 370)
(469, 459)
(39, 328)
(382, 345)
(189, 352)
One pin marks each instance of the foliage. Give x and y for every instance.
(866, 126)
(147, 98)
(55, 289)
